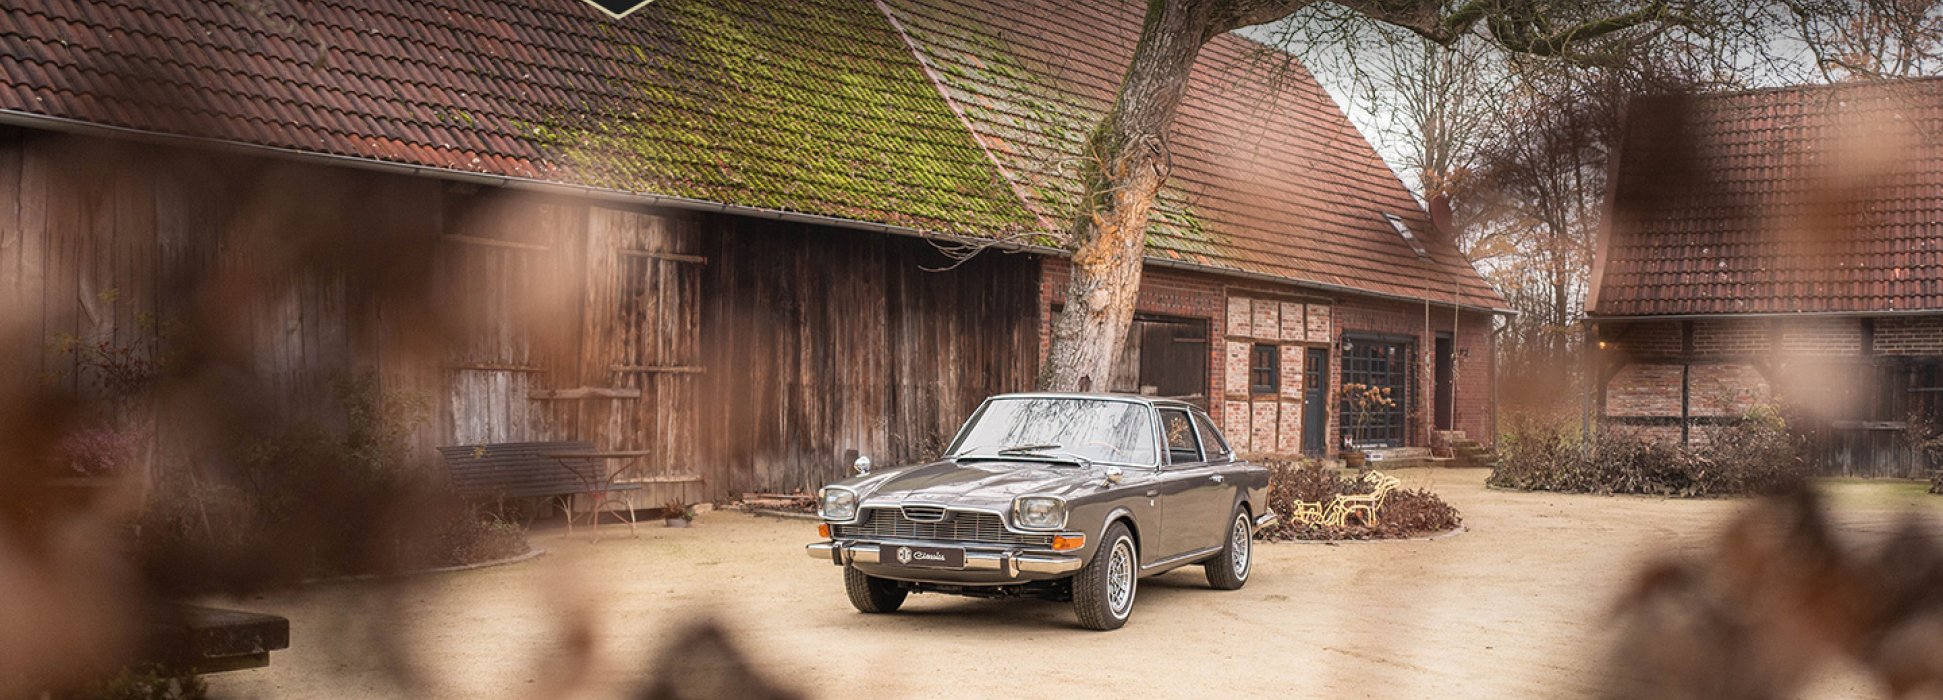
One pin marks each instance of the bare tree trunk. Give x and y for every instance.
(1126, 164)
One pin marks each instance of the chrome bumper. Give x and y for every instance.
(1009, 562)
(1265, 520)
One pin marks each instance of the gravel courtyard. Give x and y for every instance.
(1514, 607)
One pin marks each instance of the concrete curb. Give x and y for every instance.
(532, 553)
(1429, 538)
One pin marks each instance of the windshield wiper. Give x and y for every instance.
(1048, 451)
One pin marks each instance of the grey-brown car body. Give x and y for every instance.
(1178, 510)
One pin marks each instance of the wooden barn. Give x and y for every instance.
(1780, 247)
(719, 233)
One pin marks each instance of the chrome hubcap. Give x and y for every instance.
(1238, 543)
(1120, 578)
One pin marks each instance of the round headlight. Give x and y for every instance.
(837, 504)
(1040, 513)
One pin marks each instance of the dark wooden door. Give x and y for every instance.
(1445, 410)
(1315, 402)
(1174, 358)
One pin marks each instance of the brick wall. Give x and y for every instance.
(1821, 337)
(1731, 337)
(1909, 335)
(1164, 292)
(1645, 389)
(1653, 339)
(1729, 389)
(1738, 363)
(1296, 320)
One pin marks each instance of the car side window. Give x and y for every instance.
(1182, 445)
(1217, 445)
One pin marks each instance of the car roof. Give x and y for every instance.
(1155, 401)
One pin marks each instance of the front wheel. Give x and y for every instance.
(1228, 570)
(1103, 590)
(871, 594)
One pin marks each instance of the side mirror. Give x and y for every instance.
(862, 465)
(1114, 475)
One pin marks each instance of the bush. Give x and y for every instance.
(317, 501)
(1405, 513)
(147, 683)
(1755, 456)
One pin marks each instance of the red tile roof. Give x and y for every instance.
(1823, 199)
(852, 109)
(1269, 176)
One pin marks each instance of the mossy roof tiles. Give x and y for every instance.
(853, 109)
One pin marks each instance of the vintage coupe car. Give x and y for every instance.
(1061, 496)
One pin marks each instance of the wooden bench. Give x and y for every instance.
(516, 470)
(213, 640)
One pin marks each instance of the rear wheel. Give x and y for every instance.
(1228, 570)
(1103, 590)
(871, 594)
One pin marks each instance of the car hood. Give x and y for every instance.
(981, 484)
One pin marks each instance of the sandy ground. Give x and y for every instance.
(1514, 607)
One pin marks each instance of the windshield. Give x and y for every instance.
(1116, 432)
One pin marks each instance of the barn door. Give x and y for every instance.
(502, 283)
(644, 334)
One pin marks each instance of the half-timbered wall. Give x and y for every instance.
(1847, 383)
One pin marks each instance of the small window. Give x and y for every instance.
(1217, 446)
(1182, 446)
(1265, 370)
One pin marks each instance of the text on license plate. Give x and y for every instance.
(933, 557)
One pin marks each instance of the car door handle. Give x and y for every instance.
(1153, 492)
(1217, 478)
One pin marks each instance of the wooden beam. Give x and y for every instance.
(494, 367)
(656, 369)
(662, 479)
(585, 392)
(492, 242)
(671, 257)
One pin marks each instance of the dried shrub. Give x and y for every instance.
(1754, 456)
(1925, 434)
(1405, 513)
(318, 501)
(149, 682)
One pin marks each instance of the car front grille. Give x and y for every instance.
(957, 526)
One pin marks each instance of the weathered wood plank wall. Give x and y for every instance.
(760, 351)
(820, 341)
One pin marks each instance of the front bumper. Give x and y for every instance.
(988, 565)
(1266, 519)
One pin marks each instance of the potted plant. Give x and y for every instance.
(679, 514)
(1362, 402)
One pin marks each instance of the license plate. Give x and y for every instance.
(925, 557)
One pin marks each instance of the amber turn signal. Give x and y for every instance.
(823, 531)
(1066, 542)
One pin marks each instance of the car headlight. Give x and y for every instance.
(1039, 512)
(837, 504)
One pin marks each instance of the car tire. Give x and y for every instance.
(871, 594)
(1103, 590)
(1228, 569)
